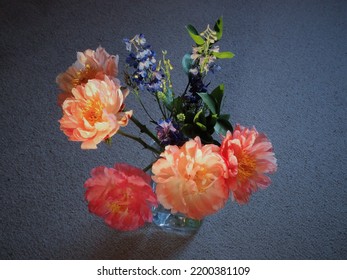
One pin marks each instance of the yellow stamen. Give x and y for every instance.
(92, 111)
(121, 205)
(114, 207)
(246, 167)
(84, 75)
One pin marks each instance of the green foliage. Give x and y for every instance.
(209, 101)
(222, 126)
(177, 106)
(223, 55)
(195, 35)
(218, 27)
(213, 102)
(203, 118)
(217, 95)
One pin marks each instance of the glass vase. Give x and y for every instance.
(166, 220)
(176, 222)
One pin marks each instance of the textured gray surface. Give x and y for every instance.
(288, 78)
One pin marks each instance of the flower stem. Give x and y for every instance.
(185, 91)
(139, 140)
(144, 129)
(160, 107)
(148, 167)
(144, 108)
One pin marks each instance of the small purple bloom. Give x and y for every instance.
(168, 133)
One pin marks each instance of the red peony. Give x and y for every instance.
(121, 195)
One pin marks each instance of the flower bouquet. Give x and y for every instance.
(200, 159)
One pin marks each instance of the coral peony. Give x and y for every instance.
(248, 155)
(121, 195)
(95, 112)
(190, 179)
(89, 65)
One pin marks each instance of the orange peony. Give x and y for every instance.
(190, 179)
(121, 195)
(252, 153)
(94, 113)
(89, 65)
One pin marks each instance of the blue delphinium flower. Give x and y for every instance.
(132, 61)
(127, 44)
(146, 75)
(140, 40)
(154, 84)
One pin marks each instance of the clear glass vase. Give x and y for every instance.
(174, 222)
(166, 220)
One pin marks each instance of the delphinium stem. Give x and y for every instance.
(160, 107)
(144, 108)
(139, 140)
(144, 129)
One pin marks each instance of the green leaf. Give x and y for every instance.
(206, 138)
(209, 101)
(177, 105)
(223, 55)
(195, 35)
(211, 120)
(201, 126)
(222, 126)
(218, 27)
(224, 117)
(187, 63)
(188, 130)
(217, 95)
(200, 117)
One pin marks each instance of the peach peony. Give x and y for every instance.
(89, 65)
(121, 195)
(252, 153)
(94, 113)
(190, 179)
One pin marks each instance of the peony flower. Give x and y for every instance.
(89, 65)
(121, 195)
(190, 179)
(95, 113)
(248, 155)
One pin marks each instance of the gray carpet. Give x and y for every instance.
(288, 78)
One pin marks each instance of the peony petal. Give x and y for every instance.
(184, 175)
(88, 145)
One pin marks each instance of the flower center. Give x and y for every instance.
(92, 111)
(114, 207)
(200, 179)
(84, 75)
(120, 205)
(246, 167)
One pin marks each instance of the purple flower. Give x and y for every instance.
(168, 133)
